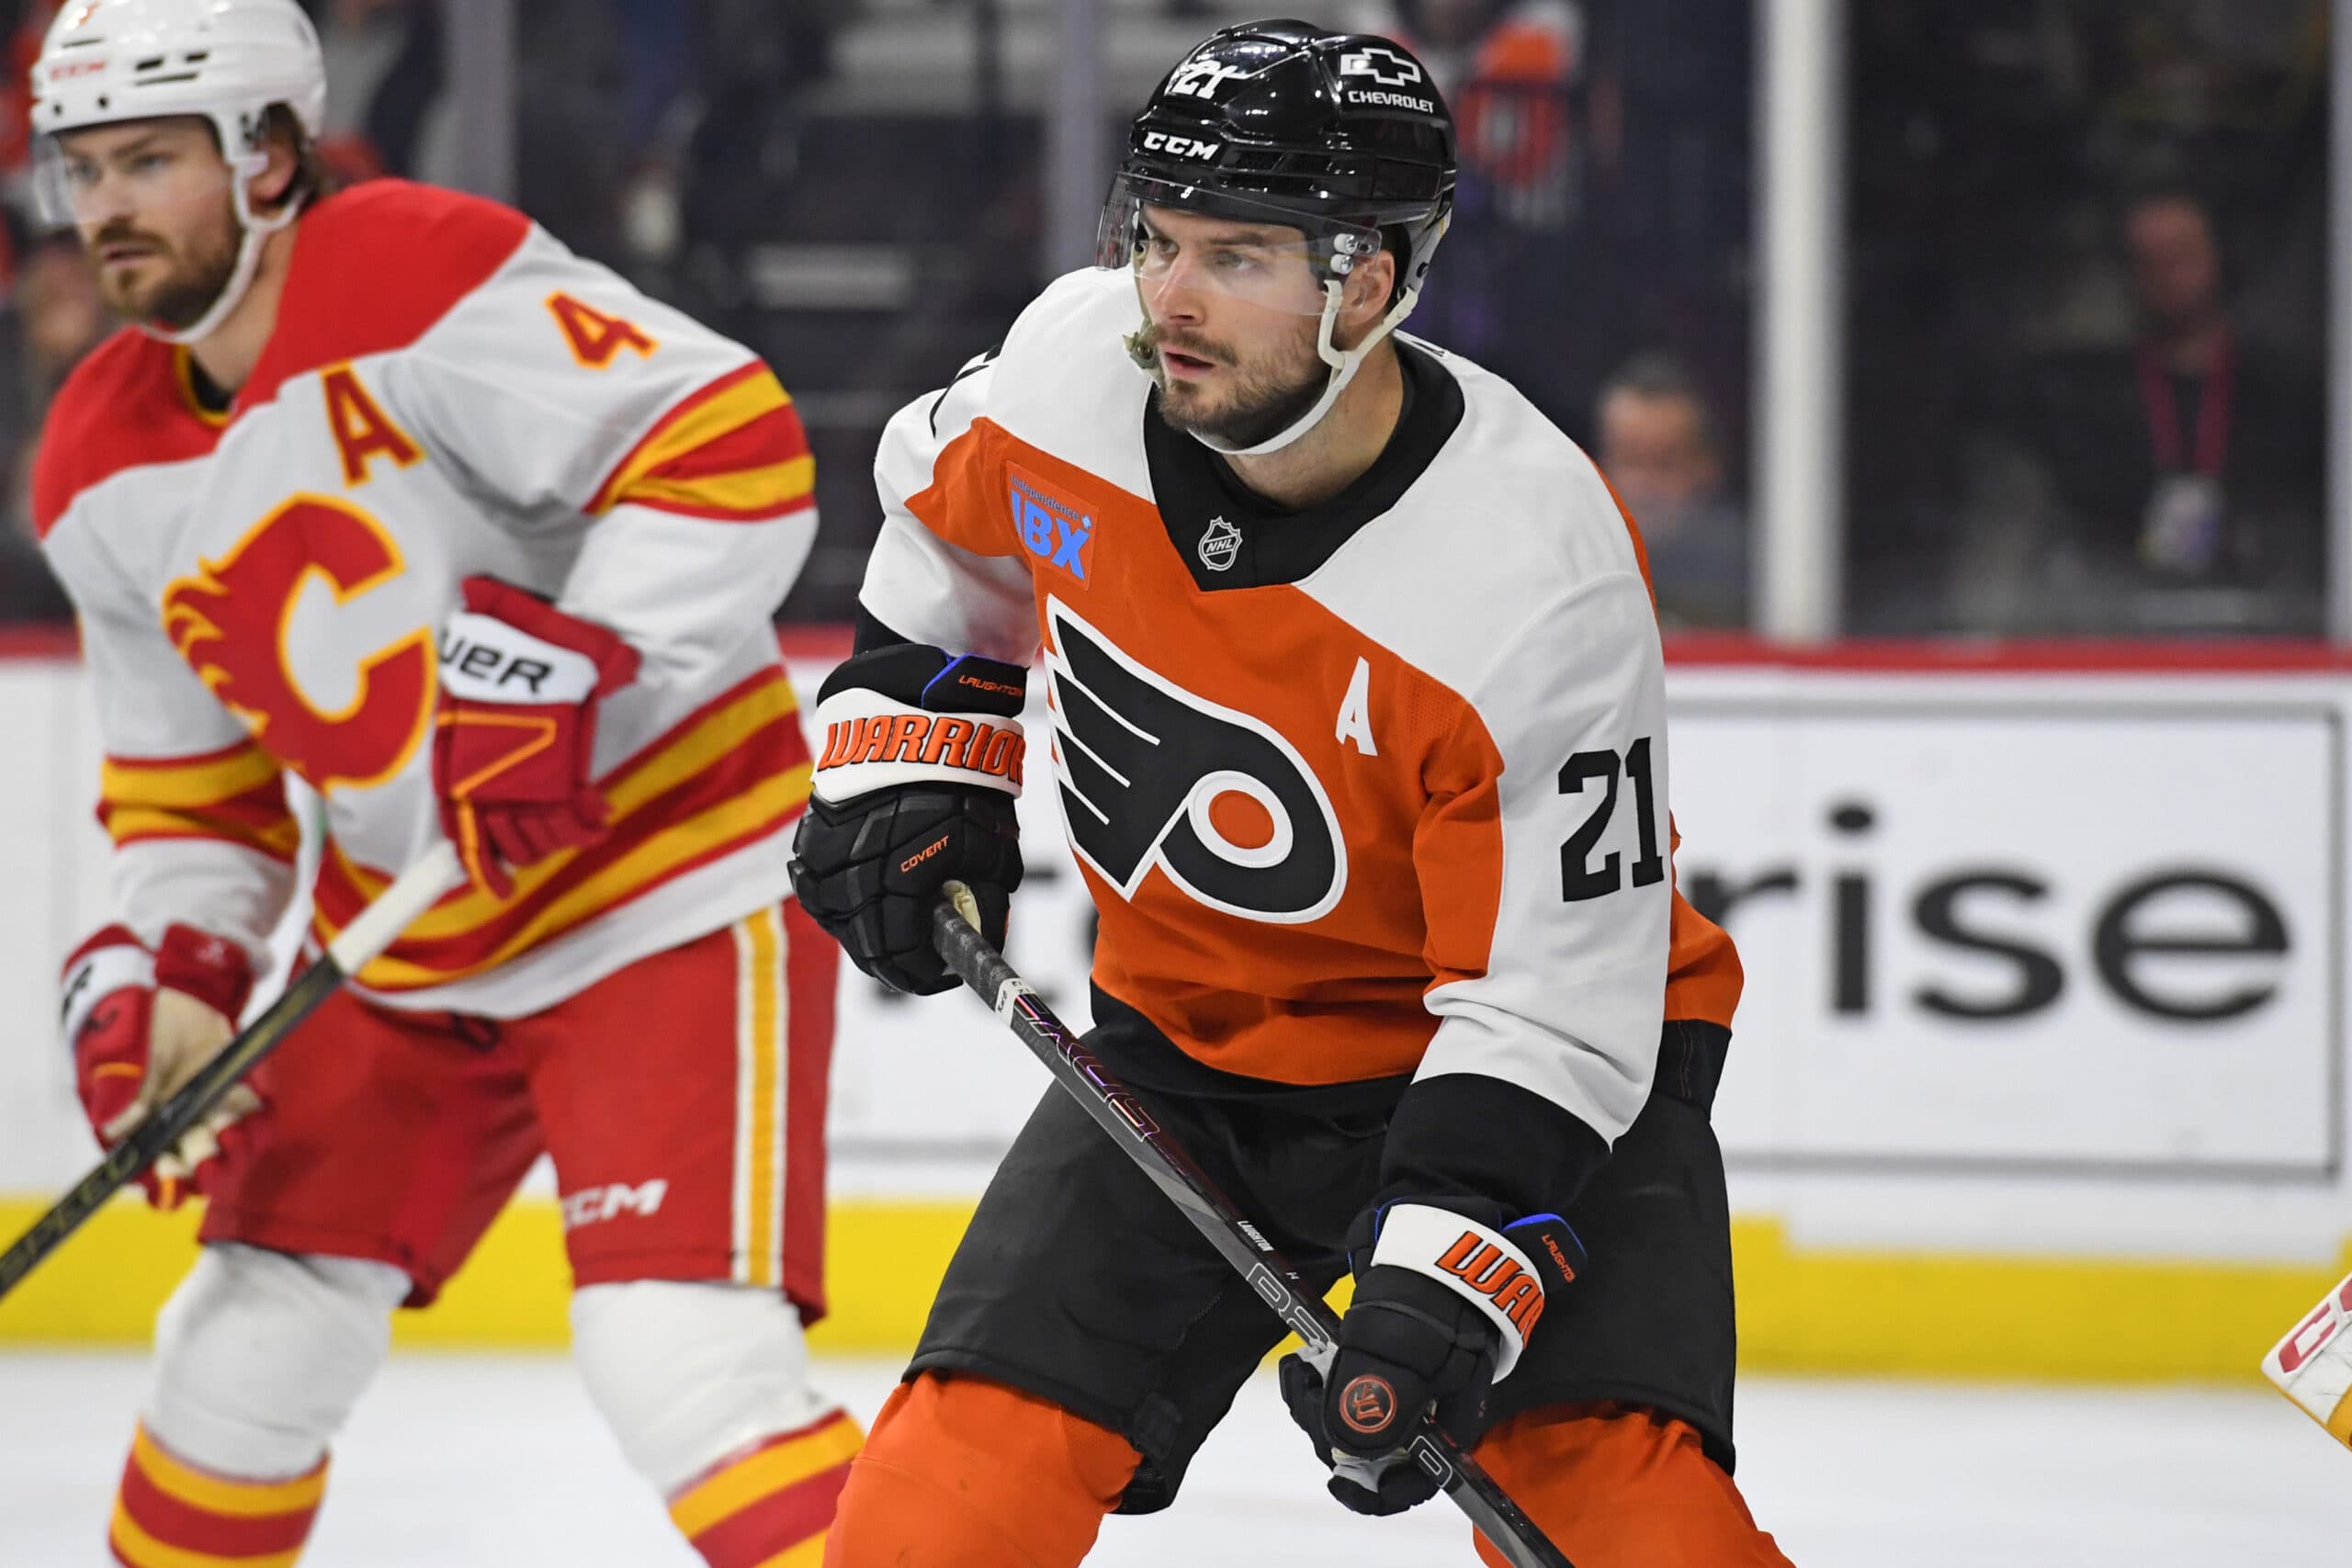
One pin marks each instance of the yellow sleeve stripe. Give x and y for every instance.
(753, 493)
(213, 1494)
(282, 838)
(200, 781)
(727, 404)
(765, 1474)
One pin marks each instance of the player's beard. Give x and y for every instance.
(1262, 399)
(194, 274)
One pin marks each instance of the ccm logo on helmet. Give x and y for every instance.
(1179, 146)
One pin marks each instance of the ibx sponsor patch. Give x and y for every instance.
(1054, 529)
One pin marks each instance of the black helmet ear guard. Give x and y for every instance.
(1341, 136)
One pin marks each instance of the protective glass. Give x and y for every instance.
(1177, 236)
(98, 179)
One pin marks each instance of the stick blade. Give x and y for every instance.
(2313, 1365)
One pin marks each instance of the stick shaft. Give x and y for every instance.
(1218, 1218)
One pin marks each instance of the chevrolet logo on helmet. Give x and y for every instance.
(1385, 66)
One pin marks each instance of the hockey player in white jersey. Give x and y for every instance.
(1358, 731)
(385, 490)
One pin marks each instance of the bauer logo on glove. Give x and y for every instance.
(514, 747)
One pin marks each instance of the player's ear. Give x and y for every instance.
(280, 181)
(1365, 298)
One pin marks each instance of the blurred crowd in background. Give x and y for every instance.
(2086, 246)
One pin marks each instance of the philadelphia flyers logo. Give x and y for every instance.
(1152, 775)
(231, 618)
(1368, 1404)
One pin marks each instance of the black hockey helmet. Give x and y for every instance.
(1341, 135)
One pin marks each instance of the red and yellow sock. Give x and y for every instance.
(171, 1515)
(768, 1506)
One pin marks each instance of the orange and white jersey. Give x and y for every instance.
(1374, 790)
(449, 391)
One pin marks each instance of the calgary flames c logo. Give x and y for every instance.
(231, 621)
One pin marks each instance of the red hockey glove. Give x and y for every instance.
(511, 752)
(1444, 1307)
(140, 1025)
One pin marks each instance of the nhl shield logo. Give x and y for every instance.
(1219, 545)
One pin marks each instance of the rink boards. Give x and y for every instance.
(2040, 1068)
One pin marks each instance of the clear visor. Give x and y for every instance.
(1173, 236)
(95, 183)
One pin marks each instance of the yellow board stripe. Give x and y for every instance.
(1949, 1315)
(189, 783)
(749, 489)
(770, 800)
(698, 749)
(214, 1495)
(2339, 1425)
(807, 1554)
(697, 424)
(143, 1551)
(765, 1474)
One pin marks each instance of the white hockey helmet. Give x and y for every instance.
(228, 60)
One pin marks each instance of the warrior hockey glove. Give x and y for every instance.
(914, 788)
(1442, 1309)
(140, 1025)
(520, 682)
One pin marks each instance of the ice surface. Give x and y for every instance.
(461, 1461)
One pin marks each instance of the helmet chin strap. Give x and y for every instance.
(257, 232)
(1344, 363)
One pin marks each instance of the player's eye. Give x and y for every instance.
(151, 163)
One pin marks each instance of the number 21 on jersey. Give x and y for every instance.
(1579, 879)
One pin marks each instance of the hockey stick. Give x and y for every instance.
(394, 910)
(955, 933)
(2313, 1366)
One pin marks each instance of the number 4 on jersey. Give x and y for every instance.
(595, 337)
(1580, 881)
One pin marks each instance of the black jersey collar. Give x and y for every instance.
(1231, 536)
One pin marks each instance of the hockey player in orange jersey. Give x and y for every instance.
(386, 491)
(1358, 729)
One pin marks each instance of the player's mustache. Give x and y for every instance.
(120, 233)
(1155, 337)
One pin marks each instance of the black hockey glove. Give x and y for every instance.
(915, 787)
(1443, 1305)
